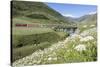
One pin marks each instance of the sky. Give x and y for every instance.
(73, 10)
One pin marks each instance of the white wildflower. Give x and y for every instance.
(55, 58)
(60, 42)
(85, 26)
(85, 33)
(80, 47)
(92, 25)
(49, 58)
(30, 63)
(66, 40)
(51, 49)
(87, 38)
(76, 36)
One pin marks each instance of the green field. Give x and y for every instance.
(28, 40)
(30, 31)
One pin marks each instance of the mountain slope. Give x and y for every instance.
(37, 11)
(88, 18)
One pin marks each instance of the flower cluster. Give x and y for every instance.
(87, 38)
(85, 26)
(92, 25)
(80, 47)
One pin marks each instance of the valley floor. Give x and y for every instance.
(75, 48)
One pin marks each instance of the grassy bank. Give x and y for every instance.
(27, 41)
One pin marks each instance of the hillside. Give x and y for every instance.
(71, 19)
(26, 40)
(36, 12)
(76, 48)
(88, 18)
(87, 21)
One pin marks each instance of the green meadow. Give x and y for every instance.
(51, 45)
(28, 40)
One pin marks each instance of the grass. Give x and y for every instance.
(23, 40)
(35, 35)
(21, 52)
(63, 34)
(70, 55)
(29, 31)
(88, 25)
(38, 16)
(37, 12)
(28, 40)
(27, 20)
(65, 54)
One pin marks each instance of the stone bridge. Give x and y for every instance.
(68, 29)
(57, 27)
